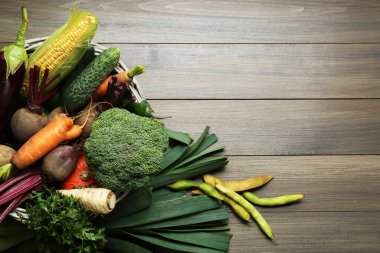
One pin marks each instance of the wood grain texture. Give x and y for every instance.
(256, 71)
(330, 183)
(275, 127)
(310, 232)
(197, 21)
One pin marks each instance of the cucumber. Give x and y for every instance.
(75, 95)
(88, 56)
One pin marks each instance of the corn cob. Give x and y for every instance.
(62, 51)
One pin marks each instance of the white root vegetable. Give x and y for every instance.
(97, 200)
(6, 154)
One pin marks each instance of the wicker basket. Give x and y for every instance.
(30, 46)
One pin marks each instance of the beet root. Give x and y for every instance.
(59, 163)
(25, 124)
(88, 120)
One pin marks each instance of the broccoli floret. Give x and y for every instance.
(125, 150)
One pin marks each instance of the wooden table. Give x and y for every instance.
(292, 88)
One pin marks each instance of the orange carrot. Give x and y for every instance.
(60, 129)
(81, 176)
(122, 77)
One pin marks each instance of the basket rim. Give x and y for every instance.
(31, 45)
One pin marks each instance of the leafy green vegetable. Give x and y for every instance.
(180, 246)
(216, 240)
(183, 162)
(180, 137)
(122, 246)
(213, 215)
(163, 210)
(173, 155)
(189, 171)
(56, 219)
(175, 222)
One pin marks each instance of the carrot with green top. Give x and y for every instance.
(60, 129)
(122, 77)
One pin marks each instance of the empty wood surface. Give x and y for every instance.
(281, 127)
(291, 87)
(198, 21)
(348, 232)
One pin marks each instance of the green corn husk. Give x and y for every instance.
(62, 51)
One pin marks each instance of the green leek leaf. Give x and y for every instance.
(168, 244)
(207, 142)
(135, 201)
(215, 240)
(188, 172)
(165, 210)
(180, 137)
(205, 229)
(172, 155)
(214, 215)
(199, 156)
(122, 246)
(165, 194)
(191, 148)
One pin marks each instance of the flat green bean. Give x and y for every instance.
(183, 185)
(249, 207)
(274, 201)
(239, 210)
(186, 184)
(210, 190)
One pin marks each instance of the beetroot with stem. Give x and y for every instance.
(28, 121)
(16, 190)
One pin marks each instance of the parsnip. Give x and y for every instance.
(97, 200)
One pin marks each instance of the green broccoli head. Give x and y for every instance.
(125, 150)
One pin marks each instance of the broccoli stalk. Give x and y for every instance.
(125, 150)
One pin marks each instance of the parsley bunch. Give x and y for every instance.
(63, 221)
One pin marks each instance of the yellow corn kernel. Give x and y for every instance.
(61, 52)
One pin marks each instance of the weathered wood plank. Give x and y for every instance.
(182, 21)
(330, 183)
(274, 127)
(310, 232)
(256, 71)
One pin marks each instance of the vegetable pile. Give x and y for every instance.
(90, 166)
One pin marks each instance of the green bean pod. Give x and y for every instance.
(239, 210)
(210, 190)
(183, 185)
(274, 201)
(186, 184)
(249, 207)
